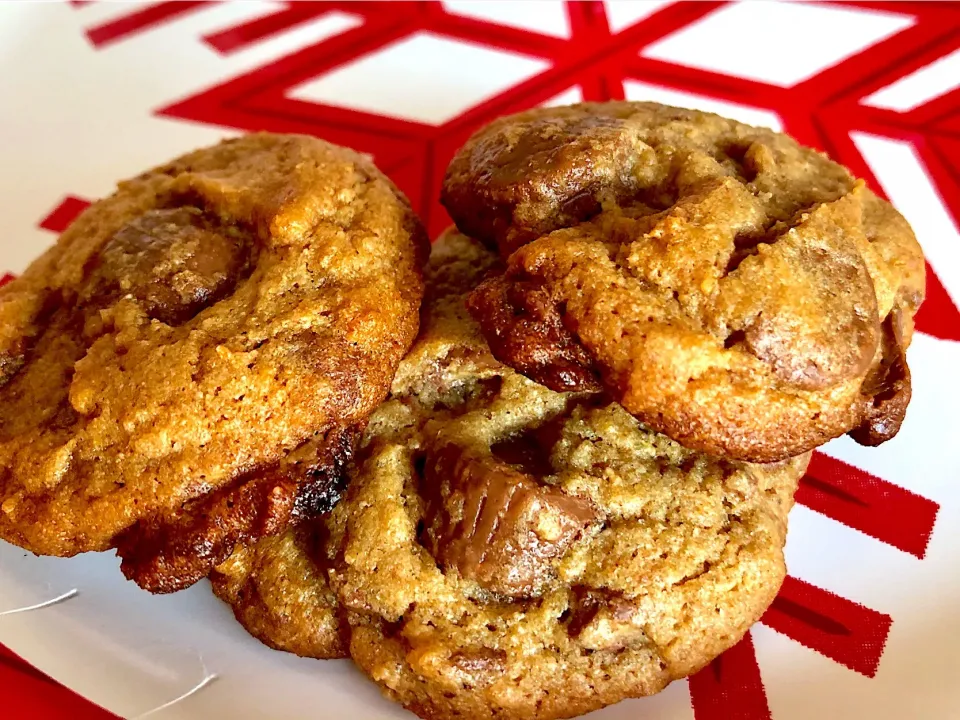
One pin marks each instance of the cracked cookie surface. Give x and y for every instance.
(507, 551)
(726, 285)
(190, 365)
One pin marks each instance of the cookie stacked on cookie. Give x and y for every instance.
(731, 288)
(570, 488)
(509, 551)
(578, 488)
(191, 365)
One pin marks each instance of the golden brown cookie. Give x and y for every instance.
(278, 587)
(506, 551)
(739, 292)
(189, 367)
(279, 592)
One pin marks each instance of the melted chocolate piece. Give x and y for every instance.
(603, 620)
(887, 389)
(173, 262)
(824, 330)
(480, 666)
(525, 453)
(170, 554)
(516, 182)
(496, 525)
(525, 329)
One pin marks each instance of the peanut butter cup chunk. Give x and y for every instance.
(190, 366)
(495, 525)
(728, 286)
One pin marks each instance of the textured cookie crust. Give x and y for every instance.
(512, 552)
(279, 592)
(189, 366)
(739, 292)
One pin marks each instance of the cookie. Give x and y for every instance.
(189, 367)
(278, 587)
(741, 293)
(279, 592)
(507, 551)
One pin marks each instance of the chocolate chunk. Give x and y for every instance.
(513, 183)
(887, 389)
(525, 452)
(525, 329)
(584, 606)
(479, 666)
(174, 262)
(170, 554)
(496, 525)
(815, 321)
(602, 620)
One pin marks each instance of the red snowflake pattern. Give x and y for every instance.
(599, 57)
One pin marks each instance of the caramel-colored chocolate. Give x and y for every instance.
(499, 526)
(172, 261)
